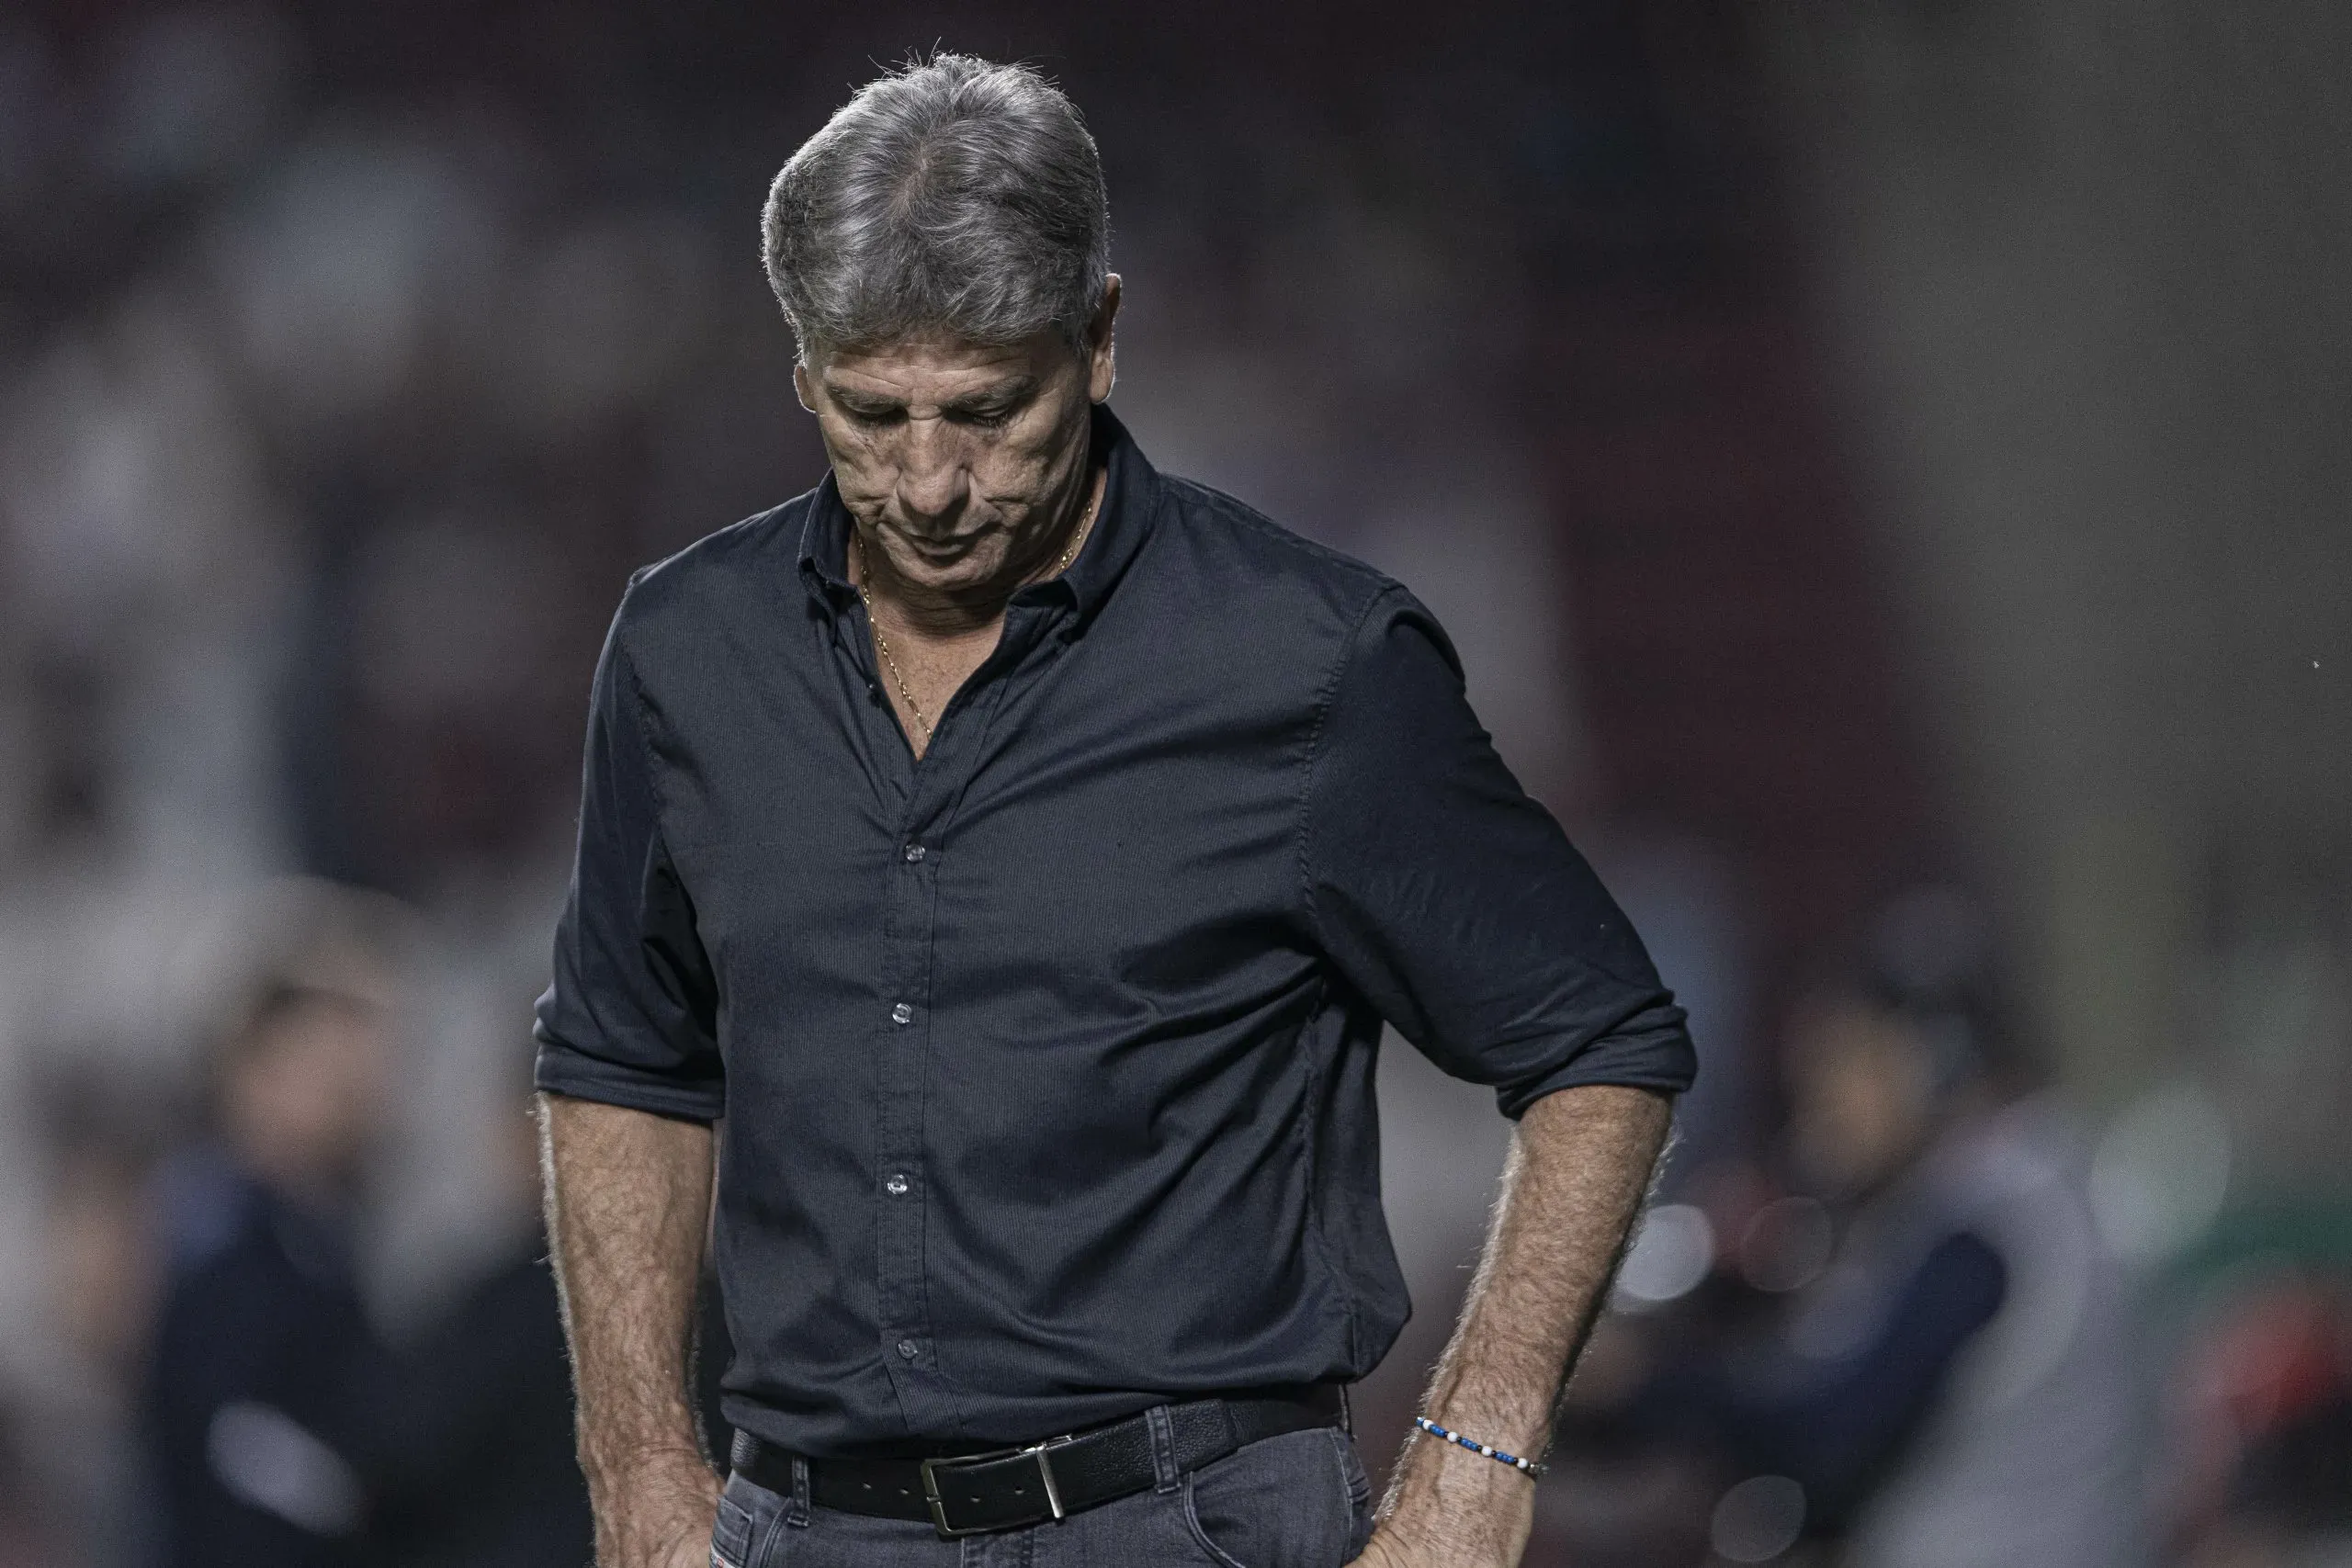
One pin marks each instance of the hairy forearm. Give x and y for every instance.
(1579, 1165)
(628, 1204)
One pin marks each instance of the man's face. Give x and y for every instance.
(960, 461)
(1859, 1096)
(306, 1099)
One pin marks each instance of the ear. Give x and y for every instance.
(804, 387)
(1102, 346)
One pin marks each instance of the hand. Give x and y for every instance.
(682, 1542)
(1378, 1553)
(663, 1522)
(1450, 1509)
(690, 1549)
(1387, 1549)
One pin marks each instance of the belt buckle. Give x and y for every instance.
(932, 1467)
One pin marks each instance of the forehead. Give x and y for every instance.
(921, 370)
(1833, 1032)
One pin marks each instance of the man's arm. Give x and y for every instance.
(628, 1206)
(1579, 1165)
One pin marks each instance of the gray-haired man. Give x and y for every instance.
(1020, 851)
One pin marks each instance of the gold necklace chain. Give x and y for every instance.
(882, 643)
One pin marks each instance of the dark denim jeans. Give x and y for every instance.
(1297, 1501)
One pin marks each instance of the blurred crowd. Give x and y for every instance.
(1912, 1326)
(350, 357)
(1905, 1320)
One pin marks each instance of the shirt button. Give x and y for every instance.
(895, 1187)
(902, 1013)
(914, 853)
(909, 1349)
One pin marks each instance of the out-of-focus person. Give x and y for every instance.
(256, 1407)
(101, 1283)
(1949, 1381)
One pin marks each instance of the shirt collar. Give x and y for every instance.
(1131, 490)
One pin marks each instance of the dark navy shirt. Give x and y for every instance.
(261, 1349)
(1046, 1061)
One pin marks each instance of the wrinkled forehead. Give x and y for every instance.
(941, 370)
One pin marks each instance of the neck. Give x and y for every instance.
(315, 1187)
(953, 613)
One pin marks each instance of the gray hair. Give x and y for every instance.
(956, 197)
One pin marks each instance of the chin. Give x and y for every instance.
(974, 570)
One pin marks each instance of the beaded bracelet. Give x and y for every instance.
(1526, 1466)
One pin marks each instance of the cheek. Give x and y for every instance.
(1867, 1110)
(1020, 465)
(1007, 471)
(1841, 1122)
(862, 455)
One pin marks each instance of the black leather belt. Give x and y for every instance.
(1007, 1488)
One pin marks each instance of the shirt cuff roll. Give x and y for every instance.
(1651, 1050)
(559, 1069)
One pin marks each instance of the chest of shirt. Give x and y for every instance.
(1116, 816)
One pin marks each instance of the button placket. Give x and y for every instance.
(910, 1347)
(901, 1295)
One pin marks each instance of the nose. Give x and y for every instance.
(933, 483)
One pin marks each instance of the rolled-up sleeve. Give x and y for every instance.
(630, 1017)
(1454, 903)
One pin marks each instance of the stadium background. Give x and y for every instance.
(1859, 449)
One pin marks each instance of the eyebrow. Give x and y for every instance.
(1006, 394)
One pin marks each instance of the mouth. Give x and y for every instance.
(951, 547)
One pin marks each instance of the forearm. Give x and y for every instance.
(1579, 1164)
(628, 1205)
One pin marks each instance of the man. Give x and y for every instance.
(1960, 1389)
(1952, 1389)
(1021, 850)
(261, 1415)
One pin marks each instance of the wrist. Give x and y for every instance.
(1533, 1469)
(637, 1467)
(657, 1513)
(1450, 1505)
(654, 1485)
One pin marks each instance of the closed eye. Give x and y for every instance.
(994, 408)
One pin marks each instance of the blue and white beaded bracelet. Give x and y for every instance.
(1526, 1466)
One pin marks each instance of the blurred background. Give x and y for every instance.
(1885, 466)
